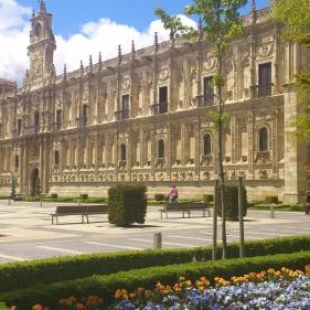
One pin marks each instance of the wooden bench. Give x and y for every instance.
(174, 207)
(96, 209)
(199, 206)
(83, 210)
(185, 208)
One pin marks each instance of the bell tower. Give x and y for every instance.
(42, 45)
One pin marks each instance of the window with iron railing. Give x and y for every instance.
(58, 123)
(159, 108)
(123, 112)
(19, 126)
(81, 121)
(264, 87)
(207, 98)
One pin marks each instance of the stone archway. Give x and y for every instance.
(34, 179)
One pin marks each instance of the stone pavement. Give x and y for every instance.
(26, 231)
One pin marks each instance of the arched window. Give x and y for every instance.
(207, 149)
(123, 152)
(56, 157)
(85, 114)
(16, 162)
(263, 140)
(161, 149)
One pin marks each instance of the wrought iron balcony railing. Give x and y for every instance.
(159, 108)
(260, 91)
(56, 126)
(205, 101)
(81, 121)
(122, 114)
(31, 130)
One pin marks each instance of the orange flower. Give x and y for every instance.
(37, 307)
(80, 306)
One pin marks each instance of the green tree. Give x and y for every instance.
(220, 23)
(294, 15)
(171, 23)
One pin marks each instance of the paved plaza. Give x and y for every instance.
(26, 232)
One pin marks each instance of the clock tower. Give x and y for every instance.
(42, 46)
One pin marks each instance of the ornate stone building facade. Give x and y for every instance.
(143, 118)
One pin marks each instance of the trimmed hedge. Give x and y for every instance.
(231, 201)
(208, 198)
(105, 286)
(25, 274)
(159, 197)
(127, 204)
(271, 199)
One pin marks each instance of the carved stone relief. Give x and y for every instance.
(164, 73)
(266, 48)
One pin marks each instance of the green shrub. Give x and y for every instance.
(208, 198)
(271, 199)
(97, 200)
(54, 196)
(21, 275)
(127, 204)
(83, 197)
(105, 286)
(231, 201)
(159, 197)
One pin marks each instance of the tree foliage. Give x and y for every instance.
(294, 15)
(171, 23)
(219, 24)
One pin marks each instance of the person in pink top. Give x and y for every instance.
(174, 194)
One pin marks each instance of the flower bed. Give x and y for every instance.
(271, 289)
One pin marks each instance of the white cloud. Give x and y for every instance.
(102, 36)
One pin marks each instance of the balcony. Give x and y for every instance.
(31, 130)
(260, 91)
(56, 126)
(205, 101)
(160, 163)
(263, 157)
(159, 108)
(15, 133)
(122, 164)
(121, 114)
(207, 160)
(81, 121)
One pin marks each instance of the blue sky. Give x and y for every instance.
(84, 28)
(69, 15)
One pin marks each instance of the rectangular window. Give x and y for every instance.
(163, 99)
(207, 97)
(36, 120)
(264, 80)
(19, 127)
(125, 107)
(58, 119)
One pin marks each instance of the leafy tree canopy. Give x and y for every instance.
(294, 14)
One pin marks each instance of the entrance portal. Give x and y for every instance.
(35, 183)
